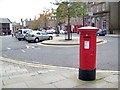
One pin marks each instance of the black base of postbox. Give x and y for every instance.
(87, 75)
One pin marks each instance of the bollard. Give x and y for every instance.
(87, 66)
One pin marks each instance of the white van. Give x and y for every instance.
(21, 33)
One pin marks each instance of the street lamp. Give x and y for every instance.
(90, 13)
(83, 15)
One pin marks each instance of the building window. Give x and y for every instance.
(103, 7)
(91, 9)
(107, 5)
(97, 8)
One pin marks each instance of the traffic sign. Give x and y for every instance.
(90, 13)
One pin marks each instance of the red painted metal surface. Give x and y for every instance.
(76, 27)
(88, 48)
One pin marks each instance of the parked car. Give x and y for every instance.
(51, 31)
(15, 33)
(20, 34)
(101, 32)
(37, 36)
(63, 32)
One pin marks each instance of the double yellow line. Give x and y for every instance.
(45, 66)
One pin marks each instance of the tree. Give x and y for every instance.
(76, 9)
(42, 21)
(70, 9)
(46, 16)
(35, 24)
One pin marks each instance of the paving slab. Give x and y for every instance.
(67, 73)
(47, 76)
(20, 76)
(46, 86)
(15, 80)
(112, 79)
(10, 71)
(16, 85)
(67, 83)
(0, 83)
(51, 77)
(35, 82)
(97, 84)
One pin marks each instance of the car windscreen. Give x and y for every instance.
(100, 30)
(43, 33)
(27, 31)
(19, 31)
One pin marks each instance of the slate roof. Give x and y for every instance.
(4, 20)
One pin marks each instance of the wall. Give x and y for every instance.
(119, 16)
(114, 17)
(0, 29)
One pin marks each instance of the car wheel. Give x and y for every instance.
(19, 39)
(29, 41)
(50, 38)
(24, 38)
(36, 40)
(98, 34)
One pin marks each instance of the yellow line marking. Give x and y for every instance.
(107, 71)
(46, 66)
(104, 41)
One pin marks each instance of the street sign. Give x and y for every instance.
(90, 13)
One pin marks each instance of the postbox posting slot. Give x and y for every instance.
(86, 37)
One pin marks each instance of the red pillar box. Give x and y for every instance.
(87, 68)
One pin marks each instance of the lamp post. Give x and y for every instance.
(83, 15)
(90, 13)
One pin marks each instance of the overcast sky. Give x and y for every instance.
(17, 9)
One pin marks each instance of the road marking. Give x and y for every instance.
(27, 46)
(45, 71)
(9, 48)
(108, 71)
(104, 41)
(33, 47)
(23, 50)
(48, 66)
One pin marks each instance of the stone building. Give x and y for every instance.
(114, 18)
(5, 25)
(16, 26)
(106, 15)
(27, 23)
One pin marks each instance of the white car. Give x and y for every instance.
(21, 33)
(51, 31)
(37, 36)
(63, 32)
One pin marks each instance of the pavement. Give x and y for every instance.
(60, 40)
(19, 74)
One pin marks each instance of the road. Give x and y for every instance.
(107, 54)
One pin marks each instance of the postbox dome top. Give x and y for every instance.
(88, 27)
